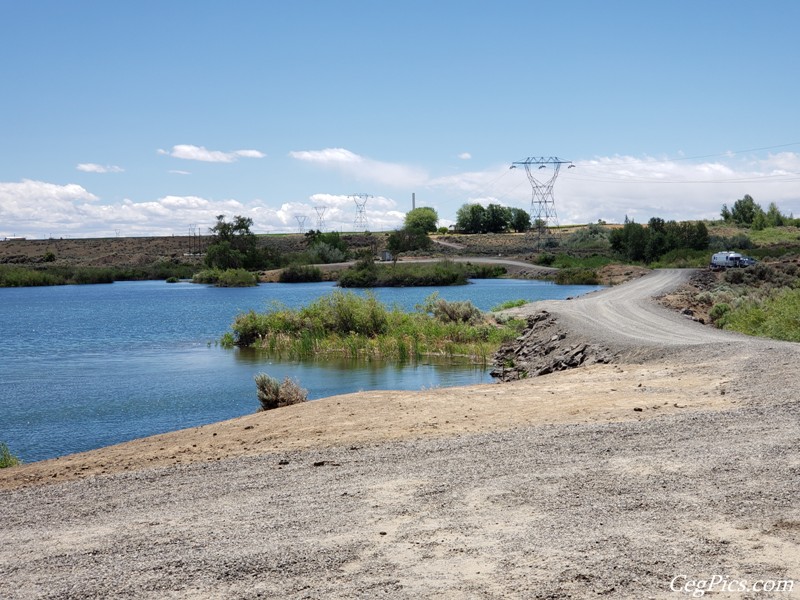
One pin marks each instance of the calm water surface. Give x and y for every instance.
(87, 366)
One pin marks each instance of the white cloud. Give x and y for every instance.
(364, 169)
(95, 168)
(465, 156)
(203, 154)
(179, 172)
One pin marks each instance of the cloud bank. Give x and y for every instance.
(608, 188)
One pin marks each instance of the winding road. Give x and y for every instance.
(627, 315)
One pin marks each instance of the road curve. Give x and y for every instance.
(627, 315)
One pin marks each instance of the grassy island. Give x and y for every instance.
(346, 324)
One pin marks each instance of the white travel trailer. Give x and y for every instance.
(723, 260)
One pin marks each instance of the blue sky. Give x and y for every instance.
(149, 117)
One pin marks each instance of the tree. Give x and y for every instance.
(725, 213)
(423, 218)
(699, 237)
(469, 218)
(744, 210)
(495, 219)
(520, 220)
(407, 240)
(233, 245)
(774, 216)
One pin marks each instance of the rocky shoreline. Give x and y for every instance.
(544, 347)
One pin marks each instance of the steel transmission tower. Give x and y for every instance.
(320, 210)
(361, 210)
(301, 223)
(543, 203)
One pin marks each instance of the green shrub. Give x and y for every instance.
(272, 394)
(172, 280)
(776, 317)
(576, 276)
(226, 278)
(451, 312)
(546, 259)
(300, 274)
(718, 312)
(6, 458)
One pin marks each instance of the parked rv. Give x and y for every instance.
(726, 260)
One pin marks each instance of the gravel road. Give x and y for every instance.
(614, 509)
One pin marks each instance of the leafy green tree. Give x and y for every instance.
(774, 216)
(759, 221)
(407, 240)
(725, 213)
(520, 220)
(423, 218)
(234, 246)
(744, 210)
(469, 218)
(630, 241)
(495, 219)
(699, 238)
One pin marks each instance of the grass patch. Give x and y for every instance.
(509, 304)
(775, 235)
(349, 325)
(6, 458)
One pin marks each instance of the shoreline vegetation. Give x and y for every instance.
(346, 324)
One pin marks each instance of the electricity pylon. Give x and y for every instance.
(543, 203)
(361, 210)
(301, 223)
(320, 210)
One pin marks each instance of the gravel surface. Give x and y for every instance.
(558, 510)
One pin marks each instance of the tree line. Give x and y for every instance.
(746, 212)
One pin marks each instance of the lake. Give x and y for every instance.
(87, 366)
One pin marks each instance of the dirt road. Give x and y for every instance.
(626, 315)
(622, 481)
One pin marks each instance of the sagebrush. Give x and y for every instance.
(274, 394)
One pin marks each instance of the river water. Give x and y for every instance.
(88, 366)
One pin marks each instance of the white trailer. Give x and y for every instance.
(724, 260)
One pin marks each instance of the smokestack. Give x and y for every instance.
(413, 200)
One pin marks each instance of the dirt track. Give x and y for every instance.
(608, 480)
